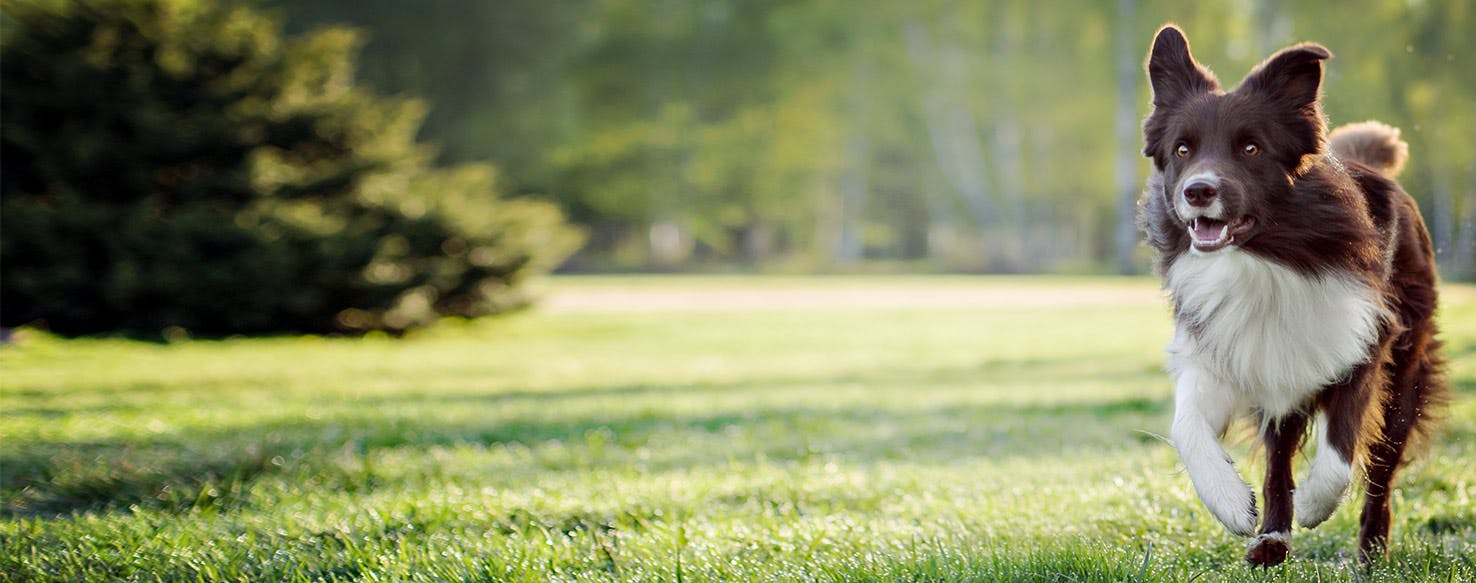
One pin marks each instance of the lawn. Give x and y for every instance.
(670, 429)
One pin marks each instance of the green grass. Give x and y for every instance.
(672, 439)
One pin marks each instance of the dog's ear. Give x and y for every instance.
(1292, 76)
(1292, 80)
(1172, 71)
(1174, 77)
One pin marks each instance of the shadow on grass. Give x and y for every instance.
(217, 469)
(179, 472)
(61, 478)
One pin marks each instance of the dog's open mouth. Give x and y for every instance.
(1212, 234)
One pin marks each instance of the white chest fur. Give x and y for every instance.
(1273, 335)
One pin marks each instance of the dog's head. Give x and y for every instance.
(1223, 158)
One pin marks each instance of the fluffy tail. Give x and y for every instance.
(1373, 144)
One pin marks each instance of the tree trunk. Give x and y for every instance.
(952, 131)
(846, 245)
(1015, 253)
(1442, 224)
(1125, 171)
(1463, 257)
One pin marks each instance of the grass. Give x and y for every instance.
(653, 428)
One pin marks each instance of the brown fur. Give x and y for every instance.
(1321, 205)
(1375, 144)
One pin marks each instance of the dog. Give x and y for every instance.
(1303, 286)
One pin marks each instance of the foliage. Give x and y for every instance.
(814, 134)
(714, 439)
(172, 164)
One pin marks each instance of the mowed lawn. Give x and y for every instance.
(671, 429)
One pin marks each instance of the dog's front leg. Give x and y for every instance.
(1340, 426)
(1281, 438)
(1327, 479)
(1202, 411)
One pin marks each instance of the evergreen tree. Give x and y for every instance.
(172, 163)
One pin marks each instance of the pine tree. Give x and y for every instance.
(179, 164)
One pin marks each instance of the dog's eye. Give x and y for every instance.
(1251, 149)
(1182, 151)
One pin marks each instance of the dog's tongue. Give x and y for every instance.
(1208, 229)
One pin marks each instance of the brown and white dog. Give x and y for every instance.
(1303, 284)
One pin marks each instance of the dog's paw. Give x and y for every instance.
(1312, 511)
(1268, 550)
(1319, 495)
(1236, 509)
(1242, 522)
(1316, 500)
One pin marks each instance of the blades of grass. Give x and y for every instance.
(1147, 557)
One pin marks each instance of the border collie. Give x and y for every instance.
(1303, 286)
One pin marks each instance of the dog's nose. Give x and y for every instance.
(1199, 194)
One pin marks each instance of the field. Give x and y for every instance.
(670, 429)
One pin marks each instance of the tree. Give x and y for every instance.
(824, 134)
(171, 163)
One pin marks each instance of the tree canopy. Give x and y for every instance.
(816, 134)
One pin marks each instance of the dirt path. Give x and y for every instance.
(629, 294)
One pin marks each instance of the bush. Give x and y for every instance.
(169, 163)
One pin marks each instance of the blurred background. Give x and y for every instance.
(391, 162)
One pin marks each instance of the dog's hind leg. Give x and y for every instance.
(1415, 387)
(1281, 438)
(1383, 462)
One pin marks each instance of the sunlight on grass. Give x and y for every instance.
(927, 439)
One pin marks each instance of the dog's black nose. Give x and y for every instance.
(1199, 194)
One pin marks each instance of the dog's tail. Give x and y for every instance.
(1373, 144)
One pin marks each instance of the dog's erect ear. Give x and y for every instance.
(1174, 76)
(1292, 76)
(1172, 71)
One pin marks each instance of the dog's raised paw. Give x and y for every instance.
(1315, 501)
(1243, 523)
(1236, 509)
(1268, 550)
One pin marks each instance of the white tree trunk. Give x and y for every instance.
(1125, 176)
